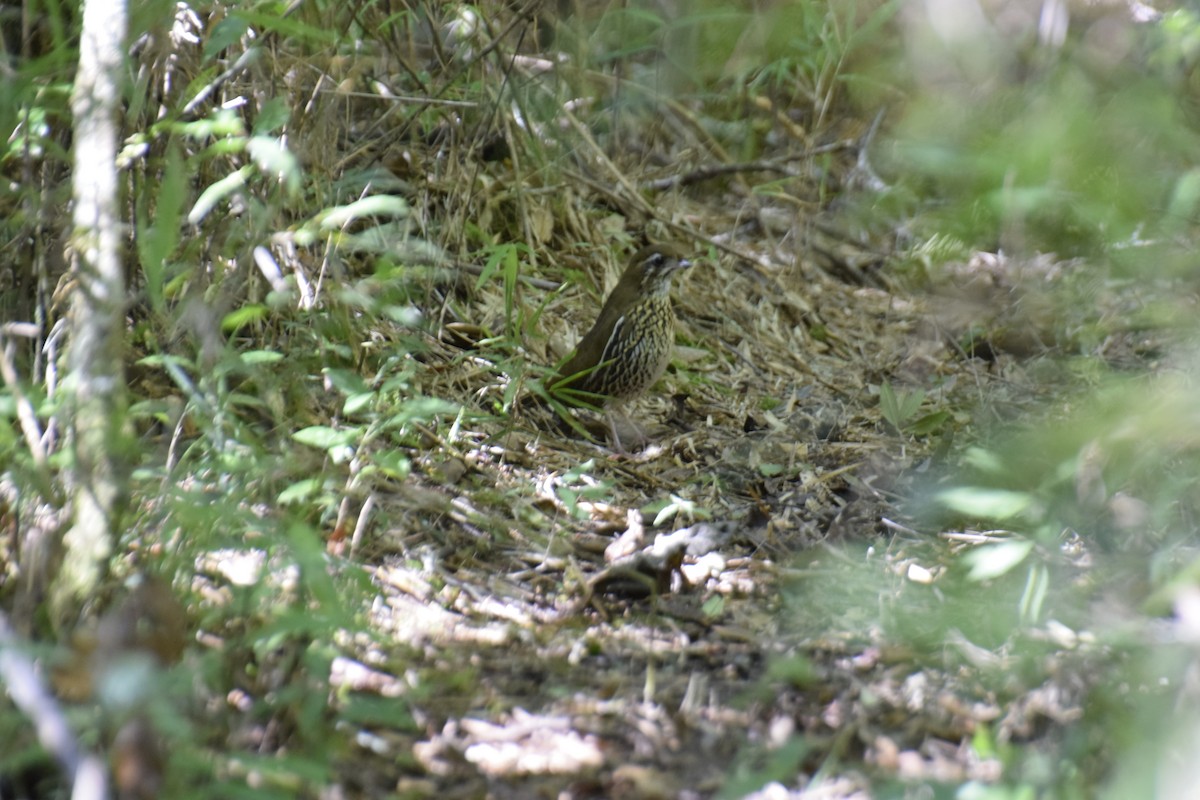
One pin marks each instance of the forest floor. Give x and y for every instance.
(760, 595)
(405, 582)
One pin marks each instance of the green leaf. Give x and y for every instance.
(393, 463)
(586, 468)
(996, 504)
(346, 381)
(325, 438)
(393, 239)
(240, 317)
(383, 205)
(273, 159)
(793, 670)
(421, 409)
(1033, 598)
(309, 550)
(898, 408)
(222, 123)
(713, 607)
(215, 193)
(984, 461)
(910, 402)
(492, 264)
(301, 490)
(889, 406)
(253, 357)
(244, 400)
(358, 402)
(570, 500)
(930, 423)
(273, 115)
(994, 560)
(158, 241)
(385, 712)
(225, 33)
(680, 506)
(289, 27)
(982, 742)
(163, 359)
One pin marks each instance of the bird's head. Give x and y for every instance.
(651, 268)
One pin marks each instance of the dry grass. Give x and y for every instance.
(524, 616)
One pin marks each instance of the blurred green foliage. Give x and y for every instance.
(275, 407)
(1074, 151)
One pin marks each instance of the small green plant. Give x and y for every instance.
(677, 506)
(503, 260)
(578, 484)
(900, 410)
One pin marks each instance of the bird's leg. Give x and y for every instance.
(614, 410)
(612, 429)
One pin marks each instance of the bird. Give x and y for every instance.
(629, 346)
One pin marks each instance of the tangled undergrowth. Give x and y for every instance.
(364, 234)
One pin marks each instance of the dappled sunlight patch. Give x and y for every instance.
(522, 744)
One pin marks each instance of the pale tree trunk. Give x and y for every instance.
(96, 375)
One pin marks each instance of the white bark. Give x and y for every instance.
(98, 311)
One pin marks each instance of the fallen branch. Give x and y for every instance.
(88, 774)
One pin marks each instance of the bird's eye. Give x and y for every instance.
(655, 260)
